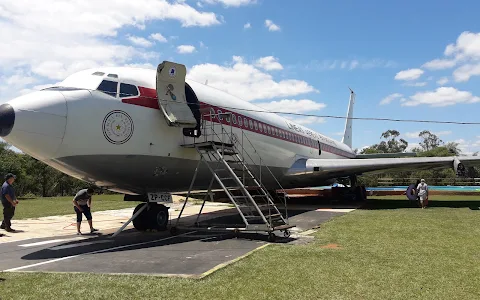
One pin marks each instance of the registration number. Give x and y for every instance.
(160, 197)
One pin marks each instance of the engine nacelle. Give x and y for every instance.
(459, 168)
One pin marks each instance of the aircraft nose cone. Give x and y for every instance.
(7, 119)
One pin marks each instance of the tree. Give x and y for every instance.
(391, 145)
(430, 140)
(453, 148)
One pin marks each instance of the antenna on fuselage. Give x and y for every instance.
(206, 82)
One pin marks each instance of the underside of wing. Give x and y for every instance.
(333, 168)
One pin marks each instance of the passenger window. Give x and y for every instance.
(108, 87)
(128, 90)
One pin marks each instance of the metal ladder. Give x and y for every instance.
(242, 186)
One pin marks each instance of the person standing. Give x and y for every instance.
(422, 190)
(9, 202)
(82, 203)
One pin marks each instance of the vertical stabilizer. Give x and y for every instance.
(347, 135)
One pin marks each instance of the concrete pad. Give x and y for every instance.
(56, 226)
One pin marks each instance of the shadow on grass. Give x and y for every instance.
(373, 204)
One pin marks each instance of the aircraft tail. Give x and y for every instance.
(347, 135)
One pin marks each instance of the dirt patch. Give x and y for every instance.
(331, 246)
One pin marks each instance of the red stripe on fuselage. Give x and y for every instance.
(148, 98)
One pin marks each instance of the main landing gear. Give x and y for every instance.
(153, 217)
(359, 191)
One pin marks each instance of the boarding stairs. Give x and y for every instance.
(239, 176)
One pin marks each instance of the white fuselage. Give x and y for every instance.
(123, 142)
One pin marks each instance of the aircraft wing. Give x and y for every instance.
(345, 167)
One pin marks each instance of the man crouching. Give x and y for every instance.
(82, 203)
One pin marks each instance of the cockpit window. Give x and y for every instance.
(98, 73)
(128, 90)
(112, 75)
(108, 87)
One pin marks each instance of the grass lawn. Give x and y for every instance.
(43, 207)
(386, 251)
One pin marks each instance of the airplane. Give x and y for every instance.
(124, 129)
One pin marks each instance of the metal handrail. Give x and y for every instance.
(232, 139)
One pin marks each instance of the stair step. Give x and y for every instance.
(261, 206)
(246, 187)
(233, 161)
(228, 153)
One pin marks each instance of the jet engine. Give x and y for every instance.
(459, 168)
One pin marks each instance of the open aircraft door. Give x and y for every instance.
(171, 94)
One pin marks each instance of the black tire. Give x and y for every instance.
(271, 237)
(140, 223)
(158, 217)
(359, 195)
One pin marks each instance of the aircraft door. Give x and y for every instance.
(171, 94)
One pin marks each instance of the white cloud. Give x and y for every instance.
(184, 49)
(465, 72)
(308, 120)
(246, 81)
(466, 50)
(228, 3)
(323, 65)
(268, 63)
(411, 146)
(442, 96)
(247, 26)
(292, 106)
(158, 37)
(442, 81)
(140, 41)
(353, 64)
(410, 74)
(75, 37)
(414, 135)
(11, 84)
(271, 26)
(440, 64)
(143, 66)
(467, 46)
(443, 133)
(417, 84)
(390, 98)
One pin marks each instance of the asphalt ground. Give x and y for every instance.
(192, 252)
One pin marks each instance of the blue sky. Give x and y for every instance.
(296, 56)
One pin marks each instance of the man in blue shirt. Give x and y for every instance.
(9, 202)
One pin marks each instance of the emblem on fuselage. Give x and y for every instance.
(117, 127)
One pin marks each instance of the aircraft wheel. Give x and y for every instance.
(359, 195)
(236, 232)
(140, 223)
(158, 217)
(271, 237)
(286, 233)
